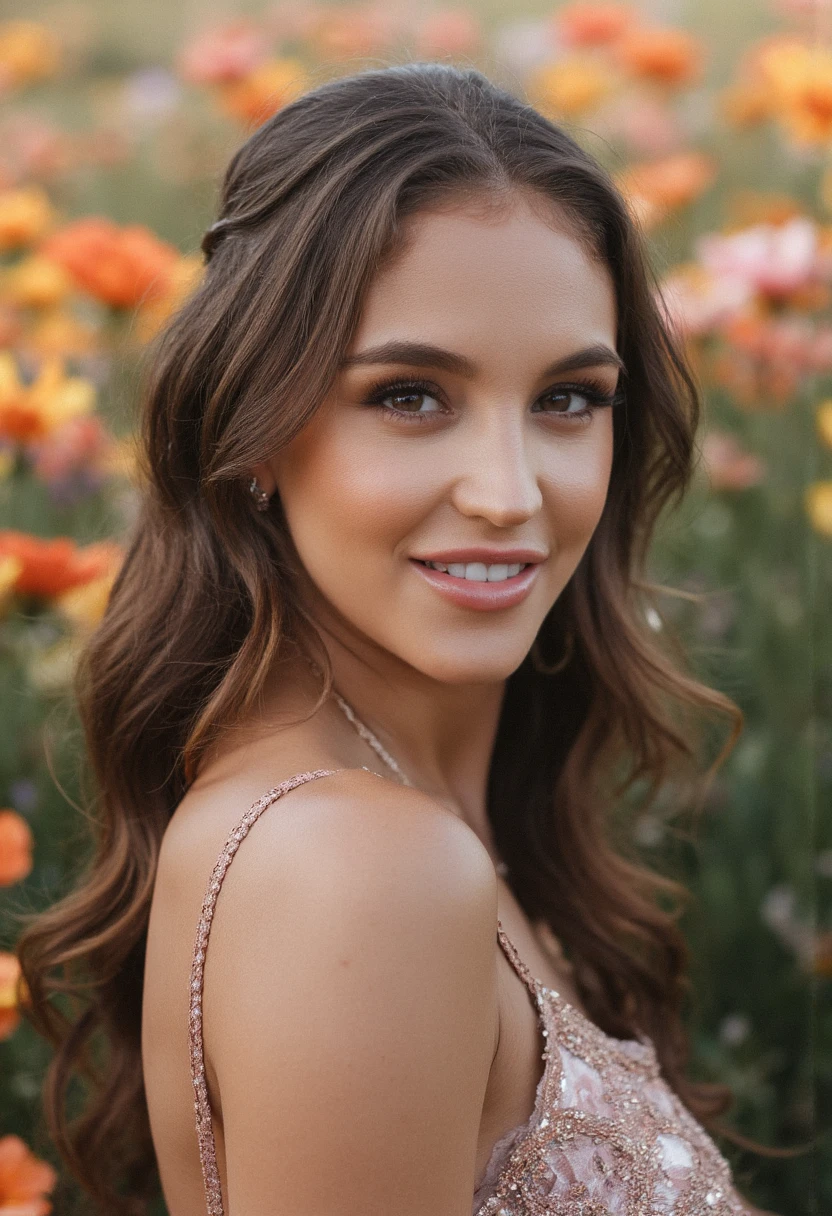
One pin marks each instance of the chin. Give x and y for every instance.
(489, 664)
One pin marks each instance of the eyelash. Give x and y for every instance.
(594, 391)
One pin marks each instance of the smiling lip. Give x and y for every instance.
(482, 597)
(480, 553)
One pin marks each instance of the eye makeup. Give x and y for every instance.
(592, 391)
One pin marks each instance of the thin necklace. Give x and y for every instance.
(381, 751)
(368, 737)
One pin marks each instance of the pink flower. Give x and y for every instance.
(772, 259)
(729, 466)
(696, 302)
(224, 54)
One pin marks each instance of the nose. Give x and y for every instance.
(498, 481)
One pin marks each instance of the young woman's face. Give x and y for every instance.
(445, 491)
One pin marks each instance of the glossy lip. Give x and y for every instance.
(482, 597)
(481, 553)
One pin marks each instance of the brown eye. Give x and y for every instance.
(410, 402)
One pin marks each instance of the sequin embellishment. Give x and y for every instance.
(608, 1137)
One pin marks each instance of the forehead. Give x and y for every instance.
(516, 272)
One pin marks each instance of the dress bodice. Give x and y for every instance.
(607, 1136)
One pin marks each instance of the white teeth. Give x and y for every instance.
(478, 572)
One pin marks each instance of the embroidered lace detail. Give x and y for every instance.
(607, 1136)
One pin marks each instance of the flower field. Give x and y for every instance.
(717, 125)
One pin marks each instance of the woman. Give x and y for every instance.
(383, 610)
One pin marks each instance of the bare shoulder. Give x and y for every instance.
(350, 1002)
(352, 855)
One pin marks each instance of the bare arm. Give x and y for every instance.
(350, 1007)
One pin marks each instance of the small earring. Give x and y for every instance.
(261, 498)
(552, 669)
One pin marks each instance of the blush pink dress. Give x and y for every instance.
(607, 1136)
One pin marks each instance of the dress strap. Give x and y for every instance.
(513, 956)
(202, 1108)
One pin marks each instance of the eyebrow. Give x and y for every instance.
(422, 354)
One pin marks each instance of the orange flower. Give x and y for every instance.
(15, 848)
(9, 1003)
(37, 282)
(664, 56)
(800, 78)
(30, 412)
(120, 266)
(28, 52)
(570, 86)
(50, 567)
(745, 103)
(583, 23)
(264, 91)
(25, 1180)
(656, 187)
(819, 507)
(25, 217)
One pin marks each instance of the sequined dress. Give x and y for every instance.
(606, 1137)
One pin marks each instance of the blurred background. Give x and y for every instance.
(116, 122)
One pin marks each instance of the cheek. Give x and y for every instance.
(575, 486)
(347, 500)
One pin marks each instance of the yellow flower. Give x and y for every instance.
(570, 87)
(28, 51)
(84, 606)
(58, 332)
(28, 412)
(25, 216)
(819, 507)
(824, 422)
(10, 568)
(37, 282)
(184, 278)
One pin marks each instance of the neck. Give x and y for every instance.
(441, 735)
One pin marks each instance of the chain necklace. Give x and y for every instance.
(381, 751)
(368, 737)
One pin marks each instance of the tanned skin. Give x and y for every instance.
(366, 1040)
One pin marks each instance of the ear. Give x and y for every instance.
(265, 477)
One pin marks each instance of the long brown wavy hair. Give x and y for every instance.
(311, 205)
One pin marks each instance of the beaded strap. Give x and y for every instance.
(510, 950)
(202, 1107)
